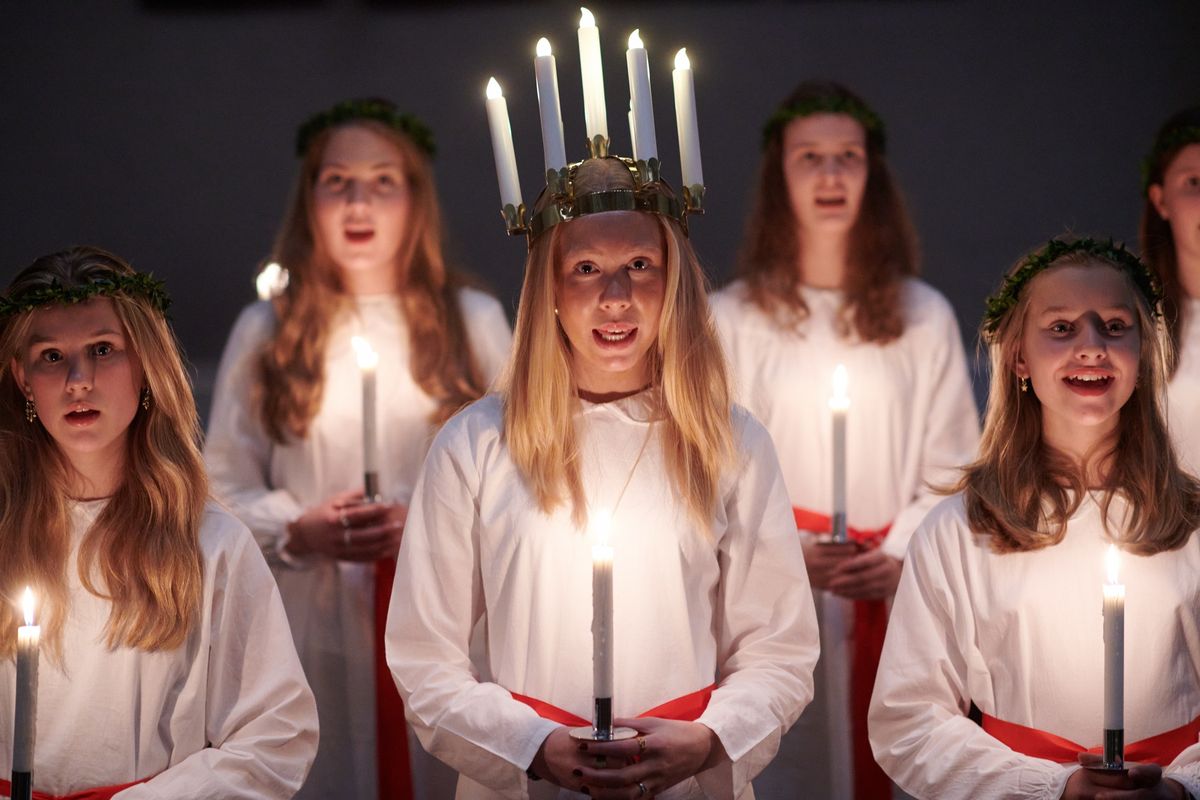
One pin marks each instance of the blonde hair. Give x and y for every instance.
(292, 367)
(142, 553)
(687, 368)
(1022, 492)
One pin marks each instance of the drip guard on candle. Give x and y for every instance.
(603, 730)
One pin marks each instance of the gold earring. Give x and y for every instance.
(146, 398)
(30, 411)
(1025, 384)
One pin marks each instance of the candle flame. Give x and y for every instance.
(271, 281)
(543, 47)
(681, 59)
(27, 605)
(367, 357)
(586, 20)
(1111, 560)
(493, 89)
(841, 385)
(601, 526)
(635, 40)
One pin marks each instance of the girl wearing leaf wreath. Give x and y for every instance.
(361, 242)
(827, 277)
(167, 667)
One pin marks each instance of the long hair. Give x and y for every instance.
(293, 365)
(143, 552)
(1154, 232)
(687, 369)
(1022, 492)
(881, 252)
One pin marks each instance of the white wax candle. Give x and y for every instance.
(548, 107)
(602, 606)
(1114, 647)
(368, 362)
(692, 174)
(502, 146)
(594, 115)
(839, 404)
(25, 712)
(641, 125)
(271, 281)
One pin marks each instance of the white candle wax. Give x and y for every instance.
(25, 711)
(502, 146)
(1114, 647)
(641, 125)
(368, 362)
(548, 107)
(839, 404)
(685, 119)
(602, 607)
(594, 115)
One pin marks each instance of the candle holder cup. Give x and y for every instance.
(22, 786)
(1114, 754)
(371, 493)
(602, 730)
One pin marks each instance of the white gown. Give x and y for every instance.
(228, 714)
(1183, 393)
(330, 604)
(1021, 636)
(912, 421)
(691, 607)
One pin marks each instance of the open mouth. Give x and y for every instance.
(359, 236)
(82, 417)
(831, 202)
(614, 335)
(1095, 383)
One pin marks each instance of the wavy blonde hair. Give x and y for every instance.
(1022, 492)
(143, 551)
(540, 393)
(292, 368)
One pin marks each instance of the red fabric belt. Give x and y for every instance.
(870, 626)
(687, 708)
(100, 793)
(391, 734)
(1160, 749)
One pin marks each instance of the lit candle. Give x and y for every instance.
(1114, 663)
(502, 146)
(368, 361)
(839, 403)
(25, 713)
(548, 107)
(271, 281)
(685, 119)
(602, 622)
(641, 108)
(594, 116)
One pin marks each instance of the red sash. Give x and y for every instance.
(391, 734)
(870, 625)
(100, 793)
(687, 708)
(1160, 749)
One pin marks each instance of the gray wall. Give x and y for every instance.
(164, 131)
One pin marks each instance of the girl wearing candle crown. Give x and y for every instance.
(361, 241)
(1000, 603)
(615, 404)
(826, 278)
(166, 660)
(1170, 238)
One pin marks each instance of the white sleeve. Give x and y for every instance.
(237, 449)
(951, 426)
(919, 730)
(488, 334)
(476, 728)
(260, 715)
(1186, 770)
(767, 642)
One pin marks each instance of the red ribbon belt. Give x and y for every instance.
(1160, 749)
(101, 793)
(687, 708)
(870, 626)
(391, 733)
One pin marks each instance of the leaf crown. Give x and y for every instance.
(371, 108)
(851, 106)
(139, 285)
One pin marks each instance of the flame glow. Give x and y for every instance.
(493, 89)
(27, 605)
(543, 47)
(681, 59)
(600, 525)
(586, 20)
(367, 357)
(841, 386)
(635, 40)
(1111, 561)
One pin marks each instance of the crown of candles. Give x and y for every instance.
(650, 192)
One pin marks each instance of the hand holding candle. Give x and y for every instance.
(25, 712)
(368, 361)
(502, 146)
(1114, 663)
(839, 403)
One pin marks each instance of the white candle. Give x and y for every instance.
(594, 115)
(548, 107)
(839, 404)
(685, 119)
(641, 107)
(25, 713)
(368, 361)
(1114, 647)
(502, 146)
(271, 281)
(602, 606)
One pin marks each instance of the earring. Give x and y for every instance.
(556, 311)
(30, 411)
(1025, 384)
(146, 398)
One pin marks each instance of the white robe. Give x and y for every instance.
(912, 421)
(691, 608)
(1021, 635)
(228, 714)
(1183, 393)
(330, 604)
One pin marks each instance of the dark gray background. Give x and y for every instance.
(164, 131)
